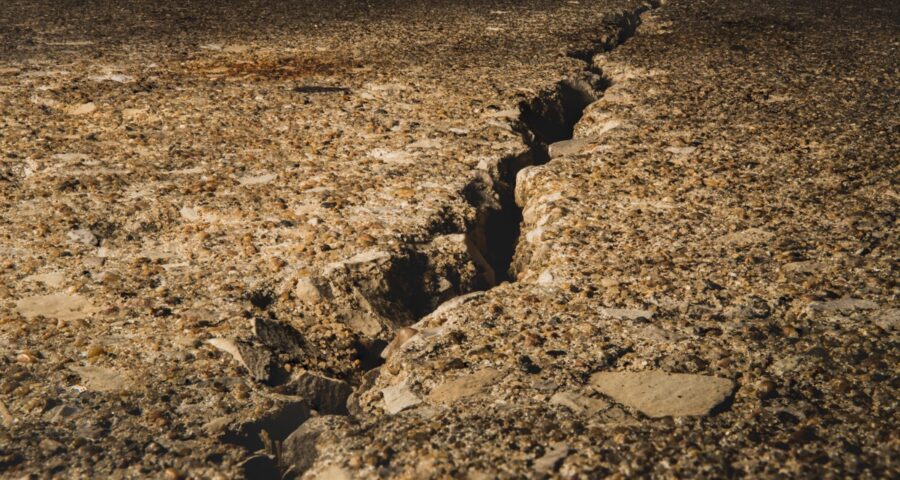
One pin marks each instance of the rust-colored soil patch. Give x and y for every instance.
(270, 68)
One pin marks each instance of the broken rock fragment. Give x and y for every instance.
(662, 394)
(300, 449)
(326, 395)
(277, 335)
(286, 414)
(257, 360)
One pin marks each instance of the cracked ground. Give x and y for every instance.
(272, 239)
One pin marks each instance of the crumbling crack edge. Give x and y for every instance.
(492, 238)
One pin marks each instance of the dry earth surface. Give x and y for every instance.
(494, 239)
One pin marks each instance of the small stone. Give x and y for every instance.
(765, 389)
(569, 147)
(83, 236)
(309, 291)
(83, 109)
(109, 278)
(26, 358)
(252, 180)
(173, 474)
(661, 394)
(50, 446)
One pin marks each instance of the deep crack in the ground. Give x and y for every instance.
(491, 242)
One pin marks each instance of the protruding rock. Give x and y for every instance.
(310, 291)
(569, 147)
(279, 336)
(258, 361)
(300, 449)
(278, 422)
(326, 395)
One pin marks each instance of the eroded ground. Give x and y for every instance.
(216, 217)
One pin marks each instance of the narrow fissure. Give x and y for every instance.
(546, 119)
(494, 236)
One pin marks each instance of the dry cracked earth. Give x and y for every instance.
(495, 239)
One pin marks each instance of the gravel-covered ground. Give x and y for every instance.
(215, 216)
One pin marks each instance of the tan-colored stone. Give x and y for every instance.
(465, 386)
(661, 394)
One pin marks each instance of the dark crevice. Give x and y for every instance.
(546, 119)
(551, 117)
(492, 238)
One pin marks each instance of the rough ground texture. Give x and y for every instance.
(216, 217)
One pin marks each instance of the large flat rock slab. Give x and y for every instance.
(661, 394)
(60, 306)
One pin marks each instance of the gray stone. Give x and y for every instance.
(326, 395)
(845, 304)
(888, 319)
(258, 361)
(279, 336)
(300, 448)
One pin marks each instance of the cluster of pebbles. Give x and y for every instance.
(247, 240)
